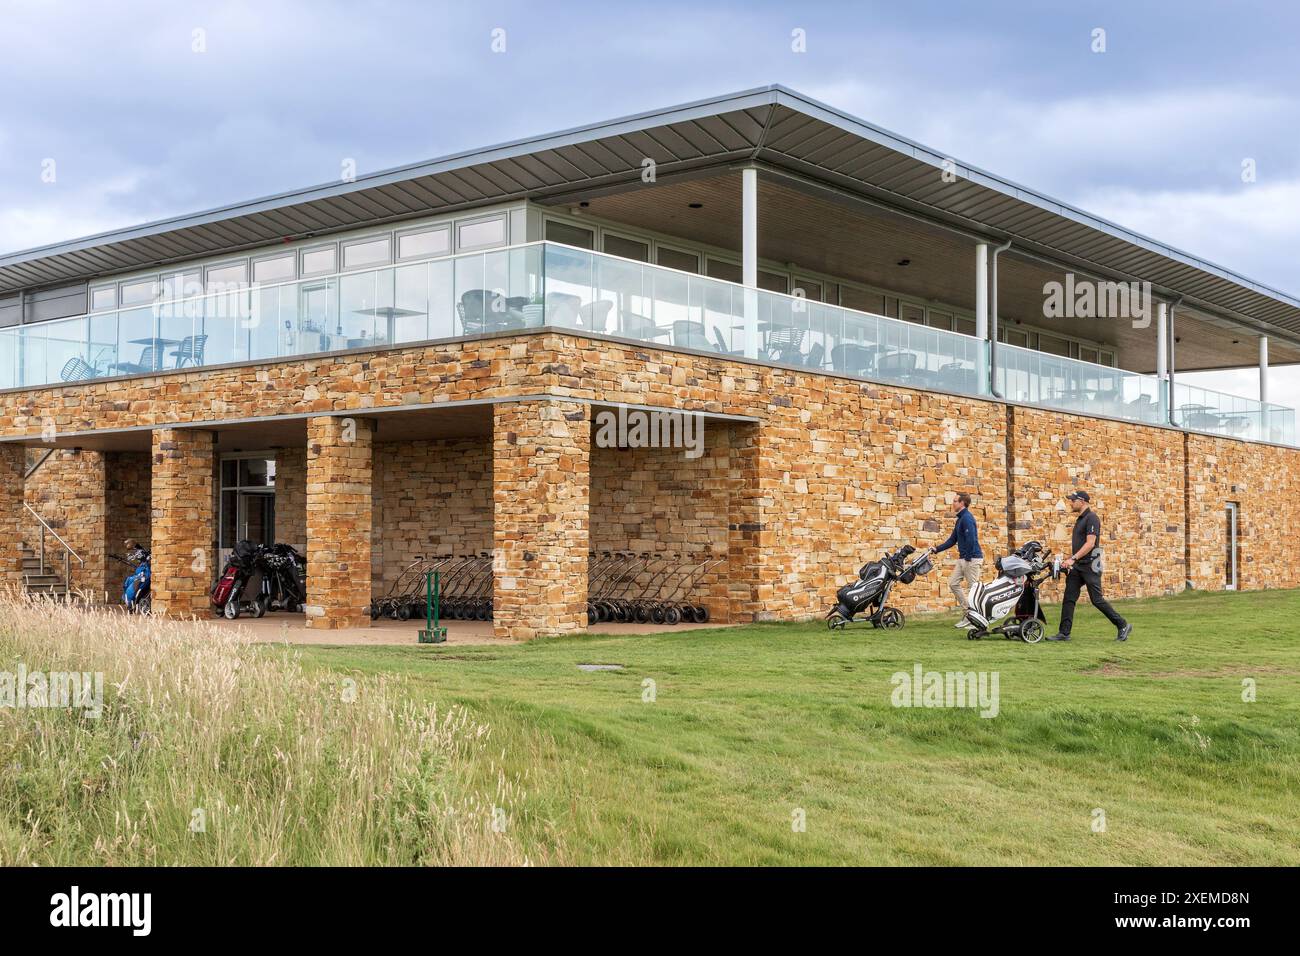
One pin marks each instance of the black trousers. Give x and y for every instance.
(1076, 581)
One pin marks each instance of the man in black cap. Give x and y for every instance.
(1084, 565)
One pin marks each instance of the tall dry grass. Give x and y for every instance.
(211, 752)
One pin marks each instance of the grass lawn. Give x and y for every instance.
(750, 724)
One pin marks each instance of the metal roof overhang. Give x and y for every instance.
(774, 126)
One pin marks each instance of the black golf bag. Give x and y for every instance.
(869, 594)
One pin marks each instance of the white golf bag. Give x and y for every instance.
(1009, 605)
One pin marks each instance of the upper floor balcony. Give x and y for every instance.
(548, 284)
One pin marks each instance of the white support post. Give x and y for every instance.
(1263, 368)
(1162, 359)
(749, 256)
(982, 311)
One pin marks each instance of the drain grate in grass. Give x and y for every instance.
(600, 667)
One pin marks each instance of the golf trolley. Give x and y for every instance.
(1009, 604)
(870, 593)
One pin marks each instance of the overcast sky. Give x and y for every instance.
(154, 109)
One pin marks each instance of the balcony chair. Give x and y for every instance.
(816, 356)
(690, 335)
(720, 344)
(899, 365)
(190, 351)
(595, 315)
(785, 345)
(635, 326)
(478, 316)
(77, 369)
(148, 363)
(853, 358)
(563, 309)
(957, 376)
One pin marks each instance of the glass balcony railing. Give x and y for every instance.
(549, 284)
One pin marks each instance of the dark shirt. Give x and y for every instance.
(964, 536)
(1087, 523)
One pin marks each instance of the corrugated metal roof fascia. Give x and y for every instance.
(758, 97)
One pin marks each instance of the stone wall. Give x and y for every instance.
(183, 523)
(339, 489)
(431, 497)
(1265, 483)
(13, 465)
(541, 501)
(835, 472)
(68, 491)
(291, 497)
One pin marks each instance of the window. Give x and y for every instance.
(102, 298)
(570, 234)
(812, 290)
(773, 282)
(912, 313)
(1106, 358)
(1088, 355)
(891, 307)
(482, 232)
(318, 261)
(677, 259)
(627, 248)
(939, 320)
(1014, 337)
(182, 285)
(1053, 345)
(367, 252)
(424, 244)
(229, 276)
(274, 268)
(139, 292)
(861, 300)
(964, 325)
(727, 271)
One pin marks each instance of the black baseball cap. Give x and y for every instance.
(1079, 495)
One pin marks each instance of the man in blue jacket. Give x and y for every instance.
(970, 559)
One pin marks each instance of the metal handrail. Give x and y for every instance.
(68, 552)
(40, 461)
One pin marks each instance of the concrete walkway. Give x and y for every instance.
(291, 628)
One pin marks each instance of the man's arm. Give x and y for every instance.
(1089, 543)
(952, 539)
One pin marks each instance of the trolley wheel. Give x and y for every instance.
(260, 607)
(672, 616)
(701, 614)
(657, 615)
(404, 612)
(292, 607)
(836, 621)
(1031, 632)
(593, 616)
(231, 610)
(145, 604)
(374, 612)
(891, 618)
(483, 612)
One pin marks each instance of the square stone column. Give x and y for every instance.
(541, 494)
(13, 465)
(339, 481)
(184, 520)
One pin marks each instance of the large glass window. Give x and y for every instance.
(424, 244)
(726, 271)
(570, 234)
(139, 292)
(367, 252)
(677, 259)
(627, 248)
(481, 233)
(103, 298)
(319, 261)
(273, 268)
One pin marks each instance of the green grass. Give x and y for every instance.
(751, 723)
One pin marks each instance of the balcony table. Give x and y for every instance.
(160, 345)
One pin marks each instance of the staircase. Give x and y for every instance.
(47, 581)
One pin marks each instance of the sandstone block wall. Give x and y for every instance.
(183, 522)
(339, 483)
(13, 465)
(541, 502)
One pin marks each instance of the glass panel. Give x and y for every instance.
(255, 472)
(773, 282)
(570, 234)
(318, 261)
(368, 252)
(677, 259)
(278, 269)
(411, 305)
(103, 297)
(138, 293)
(225, 278)
(424, 244)
(485, 232)
(912, 313)
(964, 325)
(627, 248)
(812, 291)
(728, 271)
(862, 300)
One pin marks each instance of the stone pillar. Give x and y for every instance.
(541, 508)
(339, 479)
(745, 557)
(184, 522)
(13, 464)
